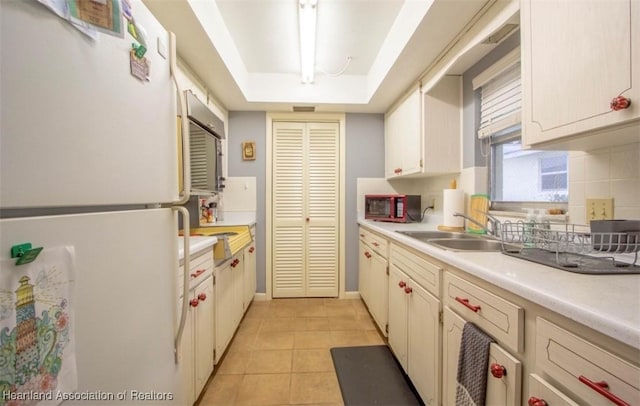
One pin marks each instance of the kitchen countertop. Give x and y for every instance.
(609, 304)
(195, 244)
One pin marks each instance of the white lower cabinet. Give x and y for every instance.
(504, 372)
(202, 305)
(373, 278)
(414, 332)
(196, 358)
(249, 271)
(186, 359)
(229, 302)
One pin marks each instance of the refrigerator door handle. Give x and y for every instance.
(184, 124)
(187, 266)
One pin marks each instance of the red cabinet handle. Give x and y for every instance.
(465, 302)
(235, 263)
(497, 370)
(603, 388)
(367, 254)
(402, 284)
(534, 401)
(408, 290)
(361, 235)
(397, 170)
(376, 244)
(620, 103)
(251, 250)
(197, 273)
(202, 297)
(194, 302)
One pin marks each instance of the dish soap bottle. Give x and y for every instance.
(529, 228)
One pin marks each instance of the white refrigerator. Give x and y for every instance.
(88, 172)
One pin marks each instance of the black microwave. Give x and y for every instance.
(394, 208)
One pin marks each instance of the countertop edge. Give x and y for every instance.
(196, 244)
(605, 322)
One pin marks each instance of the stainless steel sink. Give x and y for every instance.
(430, 235)
(470, 244)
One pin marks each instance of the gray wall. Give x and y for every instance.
(251, 126)
(471, 154)
(365, 158)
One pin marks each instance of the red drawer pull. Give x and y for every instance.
(465, 302)
(251, 250)
(602, 388)
(402, 284)
(497, 370)
(197, 273)
(361, 235)
(534, 401)
(620, 103)
(376, 244)
(194, 302)
(408, 290)
(202, 297)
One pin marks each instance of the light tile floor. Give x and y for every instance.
(280, 353)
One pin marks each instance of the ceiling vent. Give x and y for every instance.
(304, 109)
(500, 34)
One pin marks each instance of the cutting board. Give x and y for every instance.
(478, 207)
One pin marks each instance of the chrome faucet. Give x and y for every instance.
(495, 223)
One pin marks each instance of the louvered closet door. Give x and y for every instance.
(305, 209)
(322, 209)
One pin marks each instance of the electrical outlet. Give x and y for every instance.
(599, 209)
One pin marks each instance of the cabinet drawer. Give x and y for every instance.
(585, 369)
(498, 317)
(376, 242)
(200, 267)
(419, 269)
(539, 389)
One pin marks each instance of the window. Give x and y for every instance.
(524, 175)
(516, 175)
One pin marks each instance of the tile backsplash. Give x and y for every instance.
(612, 172)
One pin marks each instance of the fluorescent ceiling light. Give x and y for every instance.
(307, 23)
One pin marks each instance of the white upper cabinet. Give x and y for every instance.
(422, 134)
(402, 137)
(578, 56)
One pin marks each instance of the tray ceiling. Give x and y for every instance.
(368, 52)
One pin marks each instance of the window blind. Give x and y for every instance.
(500, 95)
(500, 103)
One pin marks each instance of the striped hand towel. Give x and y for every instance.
(471, 387)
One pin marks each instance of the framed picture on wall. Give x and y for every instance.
(248, 151)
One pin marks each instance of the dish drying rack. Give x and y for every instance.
(571, 247)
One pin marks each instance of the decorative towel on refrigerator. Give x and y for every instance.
(471, 387)
(37, 343)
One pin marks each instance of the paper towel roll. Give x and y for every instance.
(453, 202)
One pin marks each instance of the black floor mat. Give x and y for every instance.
(371, 376)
